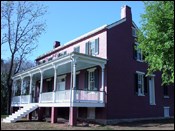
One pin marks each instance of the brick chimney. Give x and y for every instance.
(56, 44)
(126, 12)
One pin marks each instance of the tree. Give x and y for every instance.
(156, 38)
(21, 26)
(5, 65)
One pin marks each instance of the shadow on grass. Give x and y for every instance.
(145, 123)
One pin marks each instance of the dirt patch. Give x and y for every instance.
(165, 124)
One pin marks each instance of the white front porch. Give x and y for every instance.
(71, 97)
(63, 99)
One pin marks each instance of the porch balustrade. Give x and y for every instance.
(63, 96)
(46, 97)
(25, 99)
(89, 96)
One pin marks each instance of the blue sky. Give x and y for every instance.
(67, 20)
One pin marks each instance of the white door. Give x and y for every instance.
(91, 113)
(151, 91)
(61, 83)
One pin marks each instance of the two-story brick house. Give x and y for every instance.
(98, 76)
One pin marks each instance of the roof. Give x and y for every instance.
(85, 35)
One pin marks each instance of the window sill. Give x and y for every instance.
(141, 95)
(166, 97)
(140, 61)
(153, 104)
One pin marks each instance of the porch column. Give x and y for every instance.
(73, 116)
(41, 86)
(55, 81)
(73, 110)
(30, 91)
(74, 80)
(102, 83)
(21, 89)
(54, 115)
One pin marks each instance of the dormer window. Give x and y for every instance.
(134, 32)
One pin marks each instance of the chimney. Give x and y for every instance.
(56, 44)
(126, 12)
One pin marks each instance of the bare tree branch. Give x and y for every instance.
(21, 26)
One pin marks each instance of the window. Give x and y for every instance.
(77, 81)
(49, 85)
(44, 61)
(134, 32)
(62, 53)
(140, 83)
(77, 49)
(165, 91)
(92, 79)
(137, 53)
(50, 59)
(92, 47)
(65, 52)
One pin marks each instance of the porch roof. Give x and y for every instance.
(84, 61)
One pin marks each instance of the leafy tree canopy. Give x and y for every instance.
(156, 38)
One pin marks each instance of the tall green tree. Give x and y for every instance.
(156, 38)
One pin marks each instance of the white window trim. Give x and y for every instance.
(61, 77)
(166, 97)
(135, 35)
(154, 102)
(141, 73)
(136, 43)
(48, 79)
(91, 70)
(78, 72)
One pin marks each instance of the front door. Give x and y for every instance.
(151, 91)
(61, 83)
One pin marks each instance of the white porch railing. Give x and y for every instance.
(16, 99)
(89, 96)
(25, 99)
(46, 97)
(62, 96)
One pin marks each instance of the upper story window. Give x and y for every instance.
(65, 52)
(62, 53)
(77, 49)
(165, 91)
(50, 58)
(140, 87)
(137, 53)
(92, 47)
(134, 32)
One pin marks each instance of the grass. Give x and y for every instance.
(4, 116)
(164, 124)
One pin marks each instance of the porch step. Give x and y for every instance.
(20, 113)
